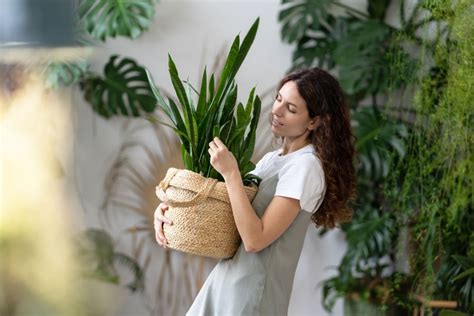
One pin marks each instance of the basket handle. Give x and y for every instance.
(198, 198)
(165, 183)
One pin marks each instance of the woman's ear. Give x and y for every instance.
(314, 123)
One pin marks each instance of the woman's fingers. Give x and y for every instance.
(159, 219)
(160, 210)
(160, 237)
(212, 144)
(219, 143)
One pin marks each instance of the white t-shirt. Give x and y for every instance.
(300, 175)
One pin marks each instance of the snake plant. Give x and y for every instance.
(215, 113)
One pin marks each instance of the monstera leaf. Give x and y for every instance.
(67, 73)
(317, 49)
(124, 89)
(360, 56)
(377, 138)
(111, 18)
(369, 237)
(297, 16)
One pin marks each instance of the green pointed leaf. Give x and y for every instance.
(225, 112)
(160, 100)
(211, 89)
(241, 116)
(201, 107)
(215, 114)
(226, 78)
(188, 118)
(244, 48)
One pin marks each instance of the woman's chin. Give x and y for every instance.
(276, 131)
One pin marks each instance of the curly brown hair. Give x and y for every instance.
(333, 142)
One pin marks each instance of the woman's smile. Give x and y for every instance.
(276, 123)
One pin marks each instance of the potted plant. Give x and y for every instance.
(197, 196)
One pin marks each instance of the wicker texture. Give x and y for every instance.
(203, 223)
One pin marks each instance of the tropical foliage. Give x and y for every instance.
(214, 114)
(415, 174)
(99, 21)
(96, 251)
(111, 18)
(124, 89)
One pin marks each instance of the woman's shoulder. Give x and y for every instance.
(306, 156)
(306, 161)
(268, 156)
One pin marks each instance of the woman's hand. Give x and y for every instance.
(222, 159)
(160, 219)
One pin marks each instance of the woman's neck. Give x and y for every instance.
(290, 146)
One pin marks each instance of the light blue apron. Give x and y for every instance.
(255, 283)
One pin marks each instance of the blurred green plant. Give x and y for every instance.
(216, 113)
(111, 18)
(66, 73)
(369, 238)
(415, 171)
(435, 194)
(96, 251)
(378, 138)
(99, 20)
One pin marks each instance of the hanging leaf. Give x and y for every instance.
(111, 18)
(360, 56)
(369, 237)
(298, 16)
(123, 91)
(65, 73)
(317, 48)
(377, 139)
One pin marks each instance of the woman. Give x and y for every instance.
(310, 178)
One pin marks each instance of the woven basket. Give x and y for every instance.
(203, 223)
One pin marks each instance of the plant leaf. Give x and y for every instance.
(298, 16)
(123, 91)
(377, 139)
(111, 18)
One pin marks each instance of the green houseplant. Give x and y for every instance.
(197, 194)
(214, 114)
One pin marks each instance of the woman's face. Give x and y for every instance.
(290, 117)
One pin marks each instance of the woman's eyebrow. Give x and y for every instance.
(278, 94)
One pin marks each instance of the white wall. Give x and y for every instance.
(193, 32)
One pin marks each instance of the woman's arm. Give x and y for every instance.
(256, 233)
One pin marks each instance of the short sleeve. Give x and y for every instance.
(259, 166)
(302, 179)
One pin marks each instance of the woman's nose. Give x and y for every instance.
(277, 109)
